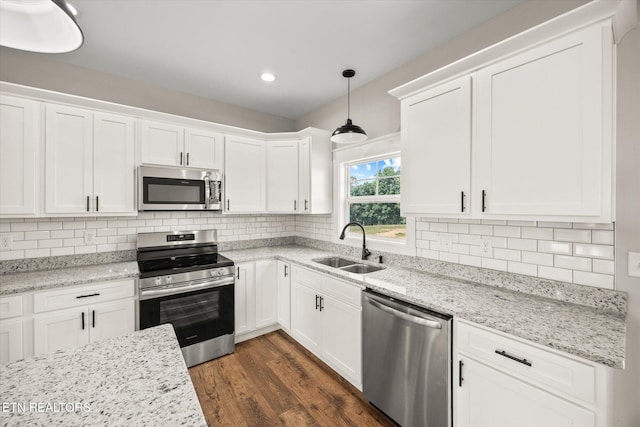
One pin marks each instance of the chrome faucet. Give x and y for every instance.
(365, 251)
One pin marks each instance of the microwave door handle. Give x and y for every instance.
(207, 192)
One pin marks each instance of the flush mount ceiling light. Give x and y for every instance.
(46, 26)
(348, 133)
(267, 76)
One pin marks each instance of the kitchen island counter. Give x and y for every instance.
(139, 379)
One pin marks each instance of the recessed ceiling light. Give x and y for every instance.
(267, 76)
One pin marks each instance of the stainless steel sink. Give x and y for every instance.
(362, 268)
(334, 261)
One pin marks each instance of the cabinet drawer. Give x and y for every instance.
(83, 295)
(548, 370)
(10, 306)
(306, 277)
(342, 290)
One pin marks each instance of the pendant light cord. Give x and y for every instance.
(348, 98)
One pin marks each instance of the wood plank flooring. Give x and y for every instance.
(273, 381)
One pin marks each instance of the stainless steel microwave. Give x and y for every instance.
(174, 189)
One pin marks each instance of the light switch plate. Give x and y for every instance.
(485, 247)
(89, 237)
(634, 264)
(446, 242)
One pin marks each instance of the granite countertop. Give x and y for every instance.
(595, 332)
(57, 278)
(138, 379)
(588, 332)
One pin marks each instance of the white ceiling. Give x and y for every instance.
(217, 48)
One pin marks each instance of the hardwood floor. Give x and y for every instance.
(272, 381)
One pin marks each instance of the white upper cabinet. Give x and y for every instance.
(282, 176)
(20, 151)
(436, 150)
(544, 130)
(527, 136)
(89, 162)
(315, 182)
(174, 145)
(245, 183)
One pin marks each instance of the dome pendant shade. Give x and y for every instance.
(348, 133)
(45, 26)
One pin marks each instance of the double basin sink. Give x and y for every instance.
(348, 265)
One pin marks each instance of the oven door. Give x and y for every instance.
(196, 315)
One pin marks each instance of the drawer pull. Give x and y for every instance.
(517, 359)
(89, 295)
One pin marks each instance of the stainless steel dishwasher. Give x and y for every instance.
(407, 361)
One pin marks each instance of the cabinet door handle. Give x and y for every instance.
(82, 316)
(227, 204)
(187, 159)
(181, 158)
(321, 303)
(87, 203)
(460, 379)
(88, 295)
(286, 273)
(97, 205)
(317, 304)
(295, 205)
(462, 201)
(238, 268)
(93, 318)
(306, 204)
(484, 199)
(512, 357)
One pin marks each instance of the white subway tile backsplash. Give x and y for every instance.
(494, 264)
(573, 263)
(8, 255)
(603, 237)
(51, 243)
(475, 261)
(522, 268)
(522, 244)
(594, 251)
(494, 221)
(481, 229)
(437, 226)
(449, 257)
(537, 233)
(604, 266)
(24, 226)
(593, 279)
(37, 253)
(569, 235)
(61, 251)
(85, 249)
(506, 254)
(458, 228)
(506, 231)
(554, 273)
(73, 225)
(522, 223)
(537, 258)
(53, 225)
(554, 247)
(5, 227)
(24, 244)
(37, 235)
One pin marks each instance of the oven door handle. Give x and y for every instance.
(146, 294)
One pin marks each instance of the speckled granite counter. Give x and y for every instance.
(136, 380)
(39, 280)
(596, 334)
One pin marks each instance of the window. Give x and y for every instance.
(373, 198)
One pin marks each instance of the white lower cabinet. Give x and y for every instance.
(11, 342)
(284, 294)
(255, 298)
(502, 380)
(74, 316)
(326, 319)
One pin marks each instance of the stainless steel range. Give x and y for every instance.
(185, 282)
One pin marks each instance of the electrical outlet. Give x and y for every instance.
(6, 242)
(89, 237)
(445, 242)
(485, 247)
(634, 264)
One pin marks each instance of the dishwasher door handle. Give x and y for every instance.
(408, 317)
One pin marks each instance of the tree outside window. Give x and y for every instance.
(374, 198)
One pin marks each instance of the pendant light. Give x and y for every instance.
(46, 26)
(348, 133)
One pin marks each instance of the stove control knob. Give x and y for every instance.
(167, 280)
(158, 281)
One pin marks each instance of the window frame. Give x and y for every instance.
(344, 157)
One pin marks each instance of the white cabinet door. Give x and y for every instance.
(543, 134)
(20, 121)
(59, 330)
(342, 338)
(306, 324)
(489, 398)
(203, 149)
(245, 184)
(282, 176)
(436, 150)
(315, 182)
(11, 343)
(113, 164)
(304, 180)
(245, 303)
(284, 294)
(266, 293)
(162, 143)
(69, 160)
(111, 319)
